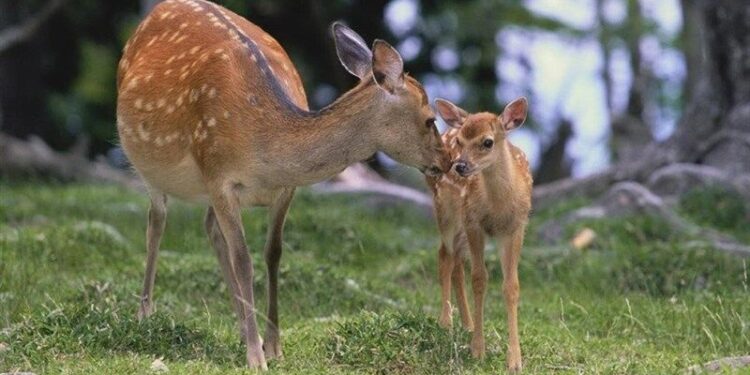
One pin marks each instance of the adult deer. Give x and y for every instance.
(488, 193)
(211, 109)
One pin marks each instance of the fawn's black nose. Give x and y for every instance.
(461, 168)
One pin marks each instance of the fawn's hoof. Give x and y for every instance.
(468, 326)
(445, 321)
(477, 347)
(514, 362)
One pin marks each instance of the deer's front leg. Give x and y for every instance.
(478, 284)
(445, 268)
(276, 217)
(157, 219)
(227, 209)
(511, 290)
(459, 283)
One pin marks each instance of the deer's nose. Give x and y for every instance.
(461, 167)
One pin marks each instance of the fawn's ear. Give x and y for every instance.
(452, 114)
(387, 66)
(514, 114)
(353, 53)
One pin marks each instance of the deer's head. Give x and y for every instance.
(404, 122)
(480, 138)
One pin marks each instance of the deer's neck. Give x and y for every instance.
(313, 146)
(498, 177)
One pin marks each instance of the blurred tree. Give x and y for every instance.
(713, 131)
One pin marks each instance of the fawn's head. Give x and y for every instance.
(480, 139)
(406, 129)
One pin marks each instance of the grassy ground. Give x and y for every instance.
(359, 291)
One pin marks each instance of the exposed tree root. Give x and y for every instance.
(628, 198)
(36, 158)
(730, 363)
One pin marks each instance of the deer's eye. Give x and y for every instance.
(430, 122)
(488, 143)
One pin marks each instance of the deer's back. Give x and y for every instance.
(196, 91)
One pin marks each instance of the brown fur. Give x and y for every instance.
(211, 109)
(494, 200)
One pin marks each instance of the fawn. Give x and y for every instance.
(487, 193)
(211, 109)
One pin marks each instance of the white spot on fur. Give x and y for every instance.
(212, 93)
(226, 114)
(138, 103)
(211, 122)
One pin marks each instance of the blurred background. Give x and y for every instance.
(600, 74)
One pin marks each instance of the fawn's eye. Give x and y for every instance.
(430, 122)
(488, 143)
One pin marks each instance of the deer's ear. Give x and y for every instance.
(452, 114)
(352, 51)
(387, 66)
(514, 114)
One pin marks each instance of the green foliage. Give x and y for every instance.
(643, 254)
(358, 292)
(393, 343)
(719, 208)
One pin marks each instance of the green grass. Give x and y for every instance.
(358, 293)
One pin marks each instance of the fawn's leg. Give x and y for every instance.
(276, 216)
(478, 282)
(157, 219)
(219, 245)
(459, 284)
(445, 268)
(510, 255)
(227, 209)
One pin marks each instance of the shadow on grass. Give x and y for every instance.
(104, 323)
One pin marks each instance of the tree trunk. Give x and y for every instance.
(728, 39)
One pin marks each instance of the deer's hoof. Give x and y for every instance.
(477, 347)
(514, 362)
(144, 311)
(272, 347)
(255, 358)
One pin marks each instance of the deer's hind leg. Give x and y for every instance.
(157, 219)
(446, 260)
